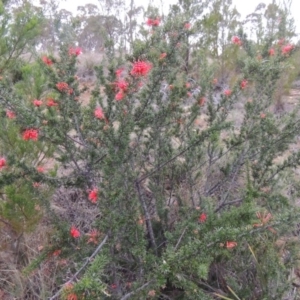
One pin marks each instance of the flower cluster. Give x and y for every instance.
(63, 87)
(30, 134)
(227, 92)
(162, 56)
(74, 232)
(40, 169)
(56, 252)
(230, 244)
(98, 113)
(271, 52)
(2, 162)
(153, 22)
(51, 102)
(236, 40)
(122, 87)
(72, 296)
(47, 61)
(140, 68)
(93, 236)
(75, 51)
(202, 218)
(119, 72)
(120, 95)
(187, 26)
(10, 114)
(93, 195)
(244, 84)
(37, 102)
(36, 184)
(285, 50)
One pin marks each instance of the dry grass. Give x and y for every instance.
(86, 65)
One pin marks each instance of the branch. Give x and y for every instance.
(227, 203)
(148, 218)
(179, 241)
(133, 292)
(201, 138)
(79, 271)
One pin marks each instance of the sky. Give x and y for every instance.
(244, 7)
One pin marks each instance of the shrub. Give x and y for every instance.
(158, 205)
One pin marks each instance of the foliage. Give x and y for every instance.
(167, 183)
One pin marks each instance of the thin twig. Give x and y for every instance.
(133, 292)
(227, 203)
(5, 222)
(159, 167)
(148, 218)
(84, 265)
(179, 241)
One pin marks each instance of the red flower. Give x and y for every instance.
(75, 233)
(36, 184)
(162, 56)
(72, 296)
(75, 51)
(30, 134)
(187, 26)
(37, 102)
(271, 52)
(202, 218)
(94, 234)
(119, 96)
(93, 195)
(244, 84)
(287, 49)
(156, 22)
(141, 68)
(153, 22)
(62, 87)
(2, 162)
(262, 115)
(47, 61)
(236, 40)
(51, 102)
(227, 93)
(122, 85)
(230, 245)
(10, 114)
(98, 113)
(119, 72)
(149, 22)
(56, 252)
(40, 169)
